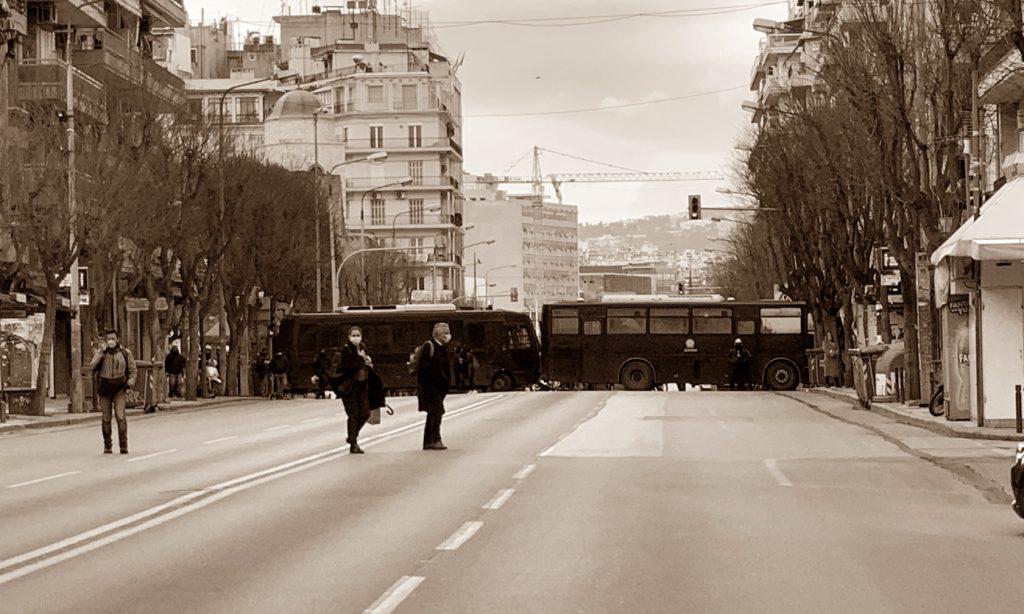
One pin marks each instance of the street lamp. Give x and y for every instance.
(489, 241)
(378, 156)
(487, 278)
(394, 219)
(362, 221)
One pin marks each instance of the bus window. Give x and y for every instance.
(565, 322)
(781, 320)
(379, 336)
(627, 321)
(476, 335)
(592, 327)
(519, 338)
(673, 321)
(713, 321)
(745, 327)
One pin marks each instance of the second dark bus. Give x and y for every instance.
(641, 344)
(503, 343)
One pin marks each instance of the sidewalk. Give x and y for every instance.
(57, 413)
(921, 417)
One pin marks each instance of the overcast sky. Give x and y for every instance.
(516, 69)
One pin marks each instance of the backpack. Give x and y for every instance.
(417, 356)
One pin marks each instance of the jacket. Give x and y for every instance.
(831, 351)
(115, 363)
(279, 365)
(433, 374)
(349, 366)
(175, 363)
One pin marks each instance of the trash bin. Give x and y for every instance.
(144, 393)
(863, 363)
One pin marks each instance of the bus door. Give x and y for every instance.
(713, 337)
(519, 352)
(593, 368)
(482, 340)
(563, 358)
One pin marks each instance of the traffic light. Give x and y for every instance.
(513, 295)
(694, 200)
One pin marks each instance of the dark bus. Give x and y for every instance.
(641, 344)
(503, 343)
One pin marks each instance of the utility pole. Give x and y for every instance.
(316, 207)
(75, 391)
(476, 283)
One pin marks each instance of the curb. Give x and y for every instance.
(77, 419)
(935, 427)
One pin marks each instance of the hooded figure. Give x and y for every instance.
(739, 360)
(433, 376)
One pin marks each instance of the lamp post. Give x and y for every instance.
(335, 289)
(378, 249)
(362, 222)
(487, 278)
(489, 241)
(394, 219)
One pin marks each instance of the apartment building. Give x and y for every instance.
(211, 44)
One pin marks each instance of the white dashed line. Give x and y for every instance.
(213, 441)
(312, 420)
(500, 499)
(524, 472)
(461, 536)
(773, 468)
(139, 458)
(276, 428)
(395, 595)
(46, 479)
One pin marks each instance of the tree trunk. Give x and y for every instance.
(45, 352)
(886, 324)
(910, 337)
(158, 343)
(195, 348)
(244, 359)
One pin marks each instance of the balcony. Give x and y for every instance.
(404, 143)
(115, 62)
(169, 13)
(45, 81)
(442, 182)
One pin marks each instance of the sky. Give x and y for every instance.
(511, 69)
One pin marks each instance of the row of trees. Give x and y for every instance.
(871, 157)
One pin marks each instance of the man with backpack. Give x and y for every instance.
(115, 371)
(433, 376)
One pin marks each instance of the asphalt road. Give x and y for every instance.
(545, 502)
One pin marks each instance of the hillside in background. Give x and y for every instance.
(668, 233)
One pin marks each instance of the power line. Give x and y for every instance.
(582, 20)
(610, 107)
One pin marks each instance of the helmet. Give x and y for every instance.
(738, 341)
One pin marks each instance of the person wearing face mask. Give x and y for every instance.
(433, 376)
(355, 369)
(115, 371)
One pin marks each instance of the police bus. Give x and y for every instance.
(644, 342)
(504, 349)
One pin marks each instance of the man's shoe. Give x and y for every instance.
(355, 449)
(124, 450)
(435, 446)
(107, 451)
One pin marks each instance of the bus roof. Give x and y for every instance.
(681, 300)
(453, 314)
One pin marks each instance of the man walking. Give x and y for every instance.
(433, 375)
(279, 372)
(174, 367)
(115, 372)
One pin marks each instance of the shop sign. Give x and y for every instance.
(959, 304)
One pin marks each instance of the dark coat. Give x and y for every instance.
(433, 377)
(175, 363)
(349, 365)
(279, 365)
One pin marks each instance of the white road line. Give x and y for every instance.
(500, 499)
(773, 468)
(276, 428)
(213, 441)
(46, 479)
(139, 458)
(395, 595)
(524, 472)
(112, 532)
(311, 420)
(461, 536)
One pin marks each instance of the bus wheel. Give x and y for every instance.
(781, 375)
(637, 375)
(502, 382)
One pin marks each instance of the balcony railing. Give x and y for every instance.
(392, 143)
(367, 183)
(113, 56)
(46, 81)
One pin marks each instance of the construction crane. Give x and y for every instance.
(556, 180)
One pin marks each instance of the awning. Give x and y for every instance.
(996, 234)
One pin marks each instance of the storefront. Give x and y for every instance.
(979, 287)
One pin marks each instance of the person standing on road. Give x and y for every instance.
(174, 367)
(739, 361)
(261, 373)
(354, 385)
(115, 371)
(279, 373)
(433, 377)
(830, 349)
(320, 367)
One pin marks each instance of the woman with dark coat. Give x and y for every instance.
(356, 369)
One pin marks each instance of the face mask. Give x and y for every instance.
(355, 339)
(111, 343)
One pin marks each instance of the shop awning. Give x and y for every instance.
(996, 234)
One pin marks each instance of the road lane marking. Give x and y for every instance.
(394, 596)
(112, 532)
(524, 472)
(276, 428)
(461, 536)
(312, 420)
(773, 468)
(500, 499)
(213, 441)
(140, 458)
(46, 479)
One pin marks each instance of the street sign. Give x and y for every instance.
(142, 304)
(83, 299)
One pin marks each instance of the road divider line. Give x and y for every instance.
(773, 468)
(500, 499)
(276, 428)
(154, 454)
(394, 596)
(524, 472)
(46, 479)
(213, 441)
(461, 536)
(53, 554)
(311, 420)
